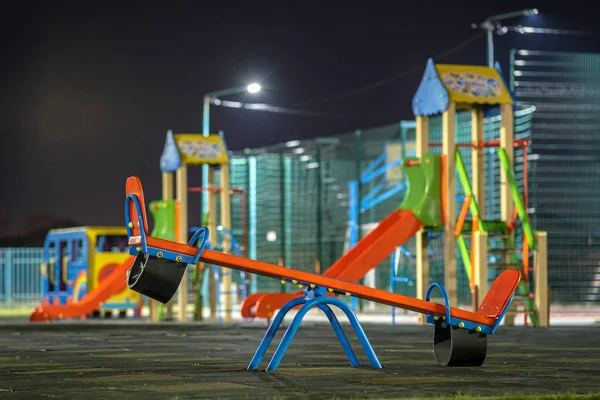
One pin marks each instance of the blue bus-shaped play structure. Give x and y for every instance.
(76, 260)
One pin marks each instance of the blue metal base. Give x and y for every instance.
(313, 298)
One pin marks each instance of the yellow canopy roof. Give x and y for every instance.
(199, 149)
(193, 149)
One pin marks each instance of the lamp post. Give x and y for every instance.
(251, 88)
(491, 25)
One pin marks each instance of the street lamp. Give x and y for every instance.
(492, 24)
(251, 88)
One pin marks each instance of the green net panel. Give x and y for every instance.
(564, 176)
(239, 203)
(264, 176)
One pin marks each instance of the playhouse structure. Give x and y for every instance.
(443, 91)
(427, 176)
(181, 151)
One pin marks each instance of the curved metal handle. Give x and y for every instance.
(196, 236)
(129, 223)
(202, 236)
(446, 300)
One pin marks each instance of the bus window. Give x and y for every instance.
(111, 243)
(77, 251)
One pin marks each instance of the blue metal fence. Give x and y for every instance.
(20, 276)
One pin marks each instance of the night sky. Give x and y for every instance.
(89, 89)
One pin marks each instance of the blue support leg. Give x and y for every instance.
(289, 335)
(291, 331)
(362, 337)
(268, 338)
(337, 328)
(314, 297)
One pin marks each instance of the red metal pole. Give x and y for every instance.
(244, 223)
(517, 143)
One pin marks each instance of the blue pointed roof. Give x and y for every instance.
(467, 86)
(431, 97)
(170, 159)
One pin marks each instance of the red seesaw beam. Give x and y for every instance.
(354, 289)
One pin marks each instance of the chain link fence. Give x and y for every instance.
(565, 167)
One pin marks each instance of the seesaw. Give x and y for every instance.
(459, 339)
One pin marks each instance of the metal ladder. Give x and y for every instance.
(500, 238)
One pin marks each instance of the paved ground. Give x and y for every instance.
(94, 360)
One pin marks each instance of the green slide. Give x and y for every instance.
(163, 212)
(424, 193)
